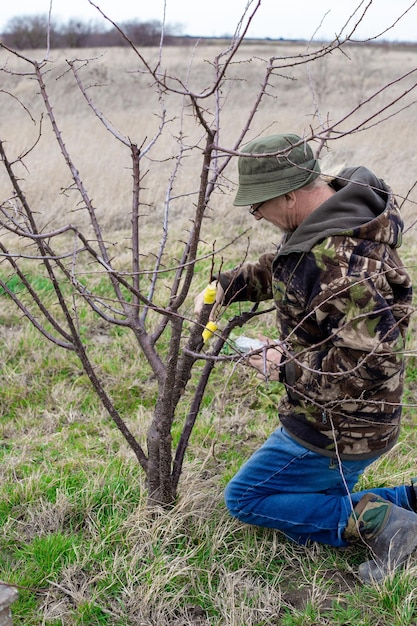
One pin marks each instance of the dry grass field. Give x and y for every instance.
(75, 533)
(313, 95)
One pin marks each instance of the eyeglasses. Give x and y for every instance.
(255, 207)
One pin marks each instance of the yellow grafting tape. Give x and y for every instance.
(210, 293)
(210, 328)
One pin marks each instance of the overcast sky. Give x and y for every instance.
(289, 19)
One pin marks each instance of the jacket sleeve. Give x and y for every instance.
(249, 282)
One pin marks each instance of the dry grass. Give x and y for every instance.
(307, 95)
(74, 521)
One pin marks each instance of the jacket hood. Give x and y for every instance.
(363, 207)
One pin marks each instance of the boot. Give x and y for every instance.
(388, 530)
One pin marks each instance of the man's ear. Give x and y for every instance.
(291, 199)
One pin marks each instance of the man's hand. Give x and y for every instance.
(268, 361)
(212, 294)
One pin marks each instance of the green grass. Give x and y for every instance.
(75, 531)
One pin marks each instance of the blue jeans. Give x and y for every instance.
(305, 495)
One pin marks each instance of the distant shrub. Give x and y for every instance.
(30, 31)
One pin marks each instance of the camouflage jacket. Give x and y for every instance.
(343, 300)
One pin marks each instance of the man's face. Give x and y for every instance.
(278, 211)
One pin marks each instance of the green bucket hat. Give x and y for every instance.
(263, 178)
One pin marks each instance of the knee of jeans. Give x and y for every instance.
(233, 499)
(228, 496)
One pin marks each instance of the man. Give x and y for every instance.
(343, 300)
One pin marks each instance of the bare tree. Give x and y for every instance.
(167, 338)
(27, 31)
(76, 34)
(30, 31)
